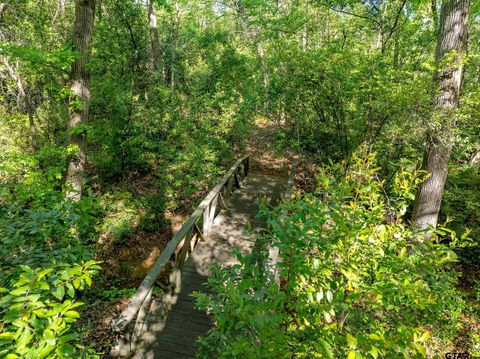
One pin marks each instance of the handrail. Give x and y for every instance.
(184, 241)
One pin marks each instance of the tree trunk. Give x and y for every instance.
(304, 38)
(80, 96)
(31, 126)
(447, 83)
(176, 29)
(24, 100)
(396, 50)
(155, 43)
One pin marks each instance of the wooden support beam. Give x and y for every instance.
(223, 204)
(184, 252)
(206, 221)
(199, 232)
(213, 209)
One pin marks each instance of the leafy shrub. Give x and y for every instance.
(461, 207)
(355, 280)
(43, 264)
(38, 309)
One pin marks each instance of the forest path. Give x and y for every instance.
(233, 228)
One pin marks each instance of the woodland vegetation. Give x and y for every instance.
(117, 116)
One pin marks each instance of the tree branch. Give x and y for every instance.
(394, 27)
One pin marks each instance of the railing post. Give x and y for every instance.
(206, 221)
(182, 256)
(213, 209)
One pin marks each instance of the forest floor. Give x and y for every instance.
(125, 264)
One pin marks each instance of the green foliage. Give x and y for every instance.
(42, 267)
(38, 309)
(461, 208)
(159, 135)
(355, 280)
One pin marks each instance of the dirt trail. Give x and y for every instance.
(265, 157)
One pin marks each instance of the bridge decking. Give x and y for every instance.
(184, 324)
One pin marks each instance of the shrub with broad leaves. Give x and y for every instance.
(355, 280)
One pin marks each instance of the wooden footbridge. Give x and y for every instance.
(168, 327)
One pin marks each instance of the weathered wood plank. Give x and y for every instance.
(175, 322)
(175, 347)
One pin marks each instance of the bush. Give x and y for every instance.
(355, 280)
(461, 207)
(38, 309)
(43, 264)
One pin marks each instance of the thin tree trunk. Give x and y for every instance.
(155, 43)
(304, 38)
(80, 98)
(175, 44)
(23, 100)
(396, 51)
(447, 83)
(31, 125)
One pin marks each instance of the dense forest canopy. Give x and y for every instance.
(118, 116)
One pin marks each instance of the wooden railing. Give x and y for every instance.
(170, 262)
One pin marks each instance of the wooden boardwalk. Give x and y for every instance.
(176, 336)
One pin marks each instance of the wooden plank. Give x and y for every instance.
(187, 329)
(172, 355)
(199, 233)
(193, 279)
(177, 337)
(195, 327)
(119, 324)
(190, 312)
(180, 337)
(175, 347)
(187, 305)
(291, 181)
(188, 316)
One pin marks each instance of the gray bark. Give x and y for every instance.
(80, 98)
(155, 43)
(451, 44)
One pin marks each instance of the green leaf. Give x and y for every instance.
(375, 336)
(70, 290)
(373, 352)
(44, 352)
(66, 338)
(327, 349)
(66, 350)
(19, 291)
(7, 336)
(351, 341)
(59, 292)
(72, 314)
(424, 337)
(329, 296)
